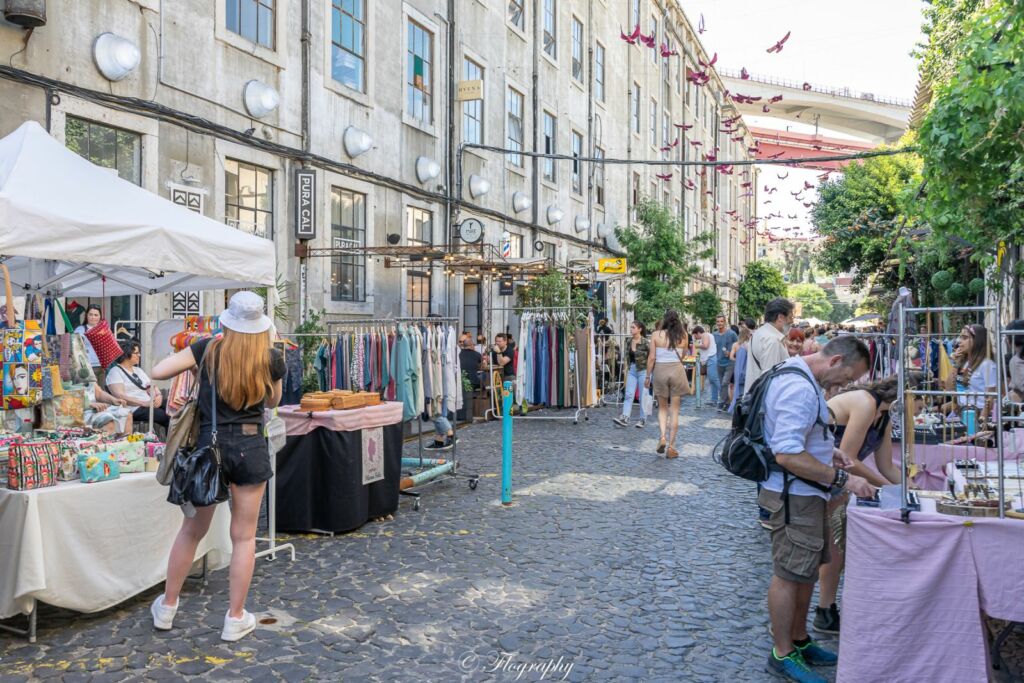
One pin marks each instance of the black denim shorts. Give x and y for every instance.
(245, 457)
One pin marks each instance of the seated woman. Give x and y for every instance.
(861, 428)
(1015, 363)
(128, 382)
(976, 372)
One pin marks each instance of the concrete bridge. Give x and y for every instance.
(874, 119)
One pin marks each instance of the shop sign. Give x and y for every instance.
(466, 91)
(611, 265)
(505, 287)
(305, 204)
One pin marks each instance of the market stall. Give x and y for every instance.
(339, 468)
(69, 228)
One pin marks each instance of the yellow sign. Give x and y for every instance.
(469, 90)
(611, 265)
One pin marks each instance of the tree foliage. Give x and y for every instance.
(704, 306)
(972, 140)
(861, 214)
(840, 310)
(661, 260)
(552, 290)
(813, 300)
(761, 283)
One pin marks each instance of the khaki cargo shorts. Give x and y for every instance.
(800, 547)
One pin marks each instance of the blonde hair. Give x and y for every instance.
(242, 364)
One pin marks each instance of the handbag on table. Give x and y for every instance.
(32, 465)
(97, 466)
(198, 480)
(130, 455)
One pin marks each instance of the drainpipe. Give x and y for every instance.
(449, 151)
(535, 101)
(590, 127)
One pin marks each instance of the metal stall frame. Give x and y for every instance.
(435, 471)
(580, 409)
(901, 370)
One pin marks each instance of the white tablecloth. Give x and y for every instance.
(87, 547)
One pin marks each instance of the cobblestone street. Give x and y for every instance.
(613, 561)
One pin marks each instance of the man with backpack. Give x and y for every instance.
(809, 469)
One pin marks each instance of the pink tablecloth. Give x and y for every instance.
(931, 460)
(299, 422)
(914, 594)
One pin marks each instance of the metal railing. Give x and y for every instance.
(821, 89)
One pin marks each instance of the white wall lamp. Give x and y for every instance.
(356, 141)
(554, 214)
(426, 169)
(582, 224)
(260, 99)
(520, 202)
(478, 186)
(115, 57)
(603, 230)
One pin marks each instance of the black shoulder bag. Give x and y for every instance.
(198, 480)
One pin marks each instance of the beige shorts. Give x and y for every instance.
(670, 380)
(800, 547)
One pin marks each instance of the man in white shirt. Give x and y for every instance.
(796, 430)
(767, 345)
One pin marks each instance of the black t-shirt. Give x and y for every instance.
(469, 359)
(507, 370)
(226, 415)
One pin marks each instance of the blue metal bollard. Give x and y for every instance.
(506, 444)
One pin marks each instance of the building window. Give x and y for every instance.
(635, 14)
(348, 43)
(417, 294)
(515, 245)
(473, 110)
(654, 123)
(654, 34)
(548, 251)
(599, 72)
(348, 230)
(249, 198)
(514, 106)
(420, 57)
(577, 49)
(550, 137)
(108, 147)
(577, 165)
(666, 62)
(516, 14)
(636, 189)
(471, 321)
(252, 19)
(599, 177)
(419, 224)
(665, 124)
(550, 22)
(634, 109)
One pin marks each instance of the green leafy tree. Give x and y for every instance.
(971, 139)
(661, 260)
(863, 214)
(552, 290)
(761, 283)
(813, 300)
(840, 310)
(704, 306)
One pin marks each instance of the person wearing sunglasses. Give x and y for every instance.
(128, 382)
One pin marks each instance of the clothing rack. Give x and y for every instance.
(552, 312)
(429, 470)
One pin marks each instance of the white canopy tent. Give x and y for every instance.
(71, 228)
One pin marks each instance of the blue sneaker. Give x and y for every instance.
(816, 655)
(792, 667)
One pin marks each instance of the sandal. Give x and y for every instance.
(661, 445)
(672, 453)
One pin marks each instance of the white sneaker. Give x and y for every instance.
(163, 616)
(236, 629)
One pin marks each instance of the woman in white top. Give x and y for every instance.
(665, 372)
(976, 373)
(707, 348)
(93, 316)
(128, 381)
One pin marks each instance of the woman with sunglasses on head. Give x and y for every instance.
(246, 374)
(976, 373)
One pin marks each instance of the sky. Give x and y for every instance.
(864, 45)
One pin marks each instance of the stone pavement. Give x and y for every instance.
(612, 564)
